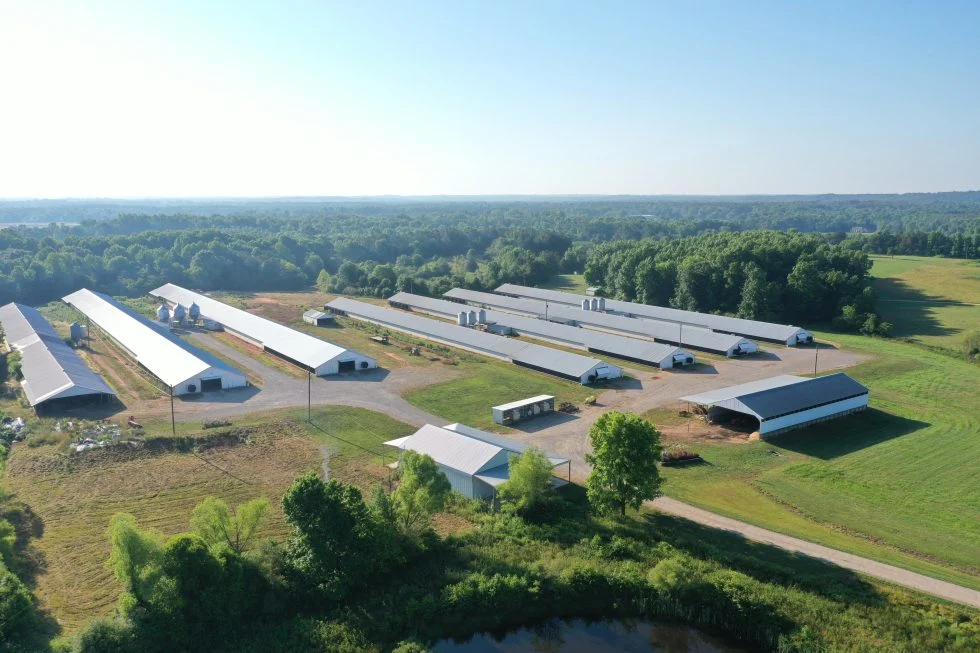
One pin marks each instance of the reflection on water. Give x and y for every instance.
(579, 636)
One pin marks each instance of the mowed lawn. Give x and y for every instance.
(486, 383)
(897, 483)
(936, 300)
(574, 283)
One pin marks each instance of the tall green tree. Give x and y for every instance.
(214, 522)
(333, 545)
(422, 491)
(136, 556)
(624, 459)
(529, 482)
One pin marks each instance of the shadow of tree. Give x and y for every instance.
(763, 562)
(829, 440)
(909, 309)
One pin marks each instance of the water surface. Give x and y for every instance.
(580, 636)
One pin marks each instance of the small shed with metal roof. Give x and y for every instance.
(475, 462)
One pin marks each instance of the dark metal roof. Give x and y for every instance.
(781, 395)
(800, 396)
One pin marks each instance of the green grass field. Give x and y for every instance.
(897, 483)
(72, 498)
(486, 383)
(935, 300)
(574, 283)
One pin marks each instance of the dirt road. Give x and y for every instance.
(872, 568)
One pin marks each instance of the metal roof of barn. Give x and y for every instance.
(784, 394)
(51, 369)
(500, 441)
(517, 351)
(740, 326)
(296, 345)
(167, 356)
(664, 332)
(611, 344)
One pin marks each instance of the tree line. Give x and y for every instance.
(378, 254)
(764, 275)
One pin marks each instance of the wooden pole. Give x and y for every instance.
(816, 354)
(173, 419)
(309, 396)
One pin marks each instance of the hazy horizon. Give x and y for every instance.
(120, 100)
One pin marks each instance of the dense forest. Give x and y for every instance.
(766, 275)
(377, 248)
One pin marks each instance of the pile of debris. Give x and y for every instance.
(13, 428)
(89, 435)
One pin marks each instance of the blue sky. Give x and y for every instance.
(134, 99)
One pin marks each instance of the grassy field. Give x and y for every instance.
(574, 283)
(71, 498)
(485, 383)
(897, 483)
(935, 300)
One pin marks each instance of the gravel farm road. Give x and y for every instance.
(861, 565)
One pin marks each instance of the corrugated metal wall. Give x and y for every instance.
(814, 414)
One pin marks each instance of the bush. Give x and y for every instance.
(16, 605)
(215, 424)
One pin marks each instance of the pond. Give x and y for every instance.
(580, 636)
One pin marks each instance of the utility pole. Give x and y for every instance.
(680, 336)
(309, 396)
(173, 419)
(546, 311)
(816, 353)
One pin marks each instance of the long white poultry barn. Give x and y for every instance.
(306, 351)
(596, 342)
(582, 369)
(769, 331)
(781, 403)
(178, 364)
(692, 337)
(53, 371)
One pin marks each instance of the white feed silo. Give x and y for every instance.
(193, 312)
(585, 304)
(602, 303)
(163, 313)
(461, 318)
(595, 304)
(481, 316)
(472, 317)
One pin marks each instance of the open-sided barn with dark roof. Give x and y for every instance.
(787, 402)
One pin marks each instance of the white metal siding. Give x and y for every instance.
(459, 481)
(813, 414)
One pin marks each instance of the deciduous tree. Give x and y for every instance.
(624, 457)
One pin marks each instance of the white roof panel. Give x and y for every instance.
(449, 448)
(734, 391)
(740, 326)
(301, 347)
(514, 350)
(502, 442)
(523, 402)
(664, 332)
(609, 343)
(168, 357)
(51, 369)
